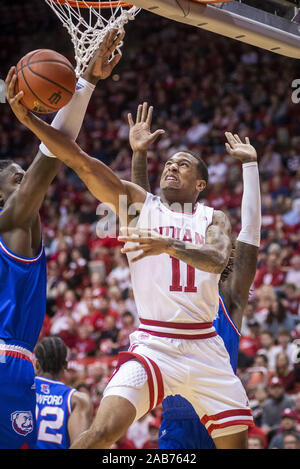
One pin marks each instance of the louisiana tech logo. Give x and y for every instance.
(22, 422)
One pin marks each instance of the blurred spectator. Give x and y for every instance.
(269, 273)
(274, 406)
(255, 442)
(257, 404)
(127, 328)
(108, 339)
(139, 431)
(291, 299)
(153, 426)
(286, 374)
(268, 347)
(291, 440)
(293, 274)
(285, 344)
(250, 344)
(287, 424)
(279, 318)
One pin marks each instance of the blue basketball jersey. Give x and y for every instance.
(22, 311)
(22, 297)
(53, 408)
(181, 427)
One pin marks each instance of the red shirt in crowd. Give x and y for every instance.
(264, 276)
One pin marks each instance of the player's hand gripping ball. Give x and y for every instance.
(47, 79)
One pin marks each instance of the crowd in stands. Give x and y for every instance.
(200, 85)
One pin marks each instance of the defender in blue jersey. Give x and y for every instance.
(62, 413)
(181, 427)
(22, 259)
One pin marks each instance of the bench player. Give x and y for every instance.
(62, 413)
(181, 427)
(23, 262)
(176, 259)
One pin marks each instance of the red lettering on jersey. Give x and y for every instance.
(199, 239)
(187, 236)
(175, 275)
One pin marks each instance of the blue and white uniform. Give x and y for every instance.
(181, 427)
(53, 408)
(22, 311)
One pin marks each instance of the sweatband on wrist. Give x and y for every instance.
(69, 119)
(251, 206)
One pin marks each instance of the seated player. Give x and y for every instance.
(62, 413)
(181, 427)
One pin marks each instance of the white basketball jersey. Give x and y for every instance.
(165, 288)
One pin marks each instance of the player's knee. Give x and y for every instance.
(103, 436)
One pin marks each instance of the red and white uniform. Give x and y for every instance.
(176, 349)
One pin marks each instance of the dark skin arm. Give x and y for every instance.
(211, 257)
(81, 415)
(235, 289)
(140, 138)
(19, 221)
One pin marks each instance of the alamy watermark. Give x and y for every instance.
(2, 91)
(296, 92)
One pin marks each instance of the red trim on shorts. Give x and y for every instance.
(232, 423)
(179, 336)
(124, 357)
(160, 383)
(225, 414)
(177, 325)
(11, 353)
(25, 446)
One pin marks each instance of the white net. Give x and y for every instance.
(88, 22)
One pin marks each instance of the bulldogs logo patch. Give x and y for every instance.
(45, 388)
(22, 422)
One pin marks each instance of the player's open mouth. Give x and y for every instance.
(171, 178)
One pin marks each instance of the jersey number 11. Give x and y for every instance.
(190, 280)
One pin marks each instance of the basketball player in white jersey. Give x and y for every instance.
(184, 247)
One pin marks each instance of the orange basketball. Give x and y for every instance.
(47, 79)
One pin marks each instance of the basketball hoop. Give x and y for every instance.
(88, 22)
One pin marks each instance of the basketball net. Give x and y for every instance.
(87, 25)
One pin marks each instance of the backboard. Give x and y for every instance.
(273, 25)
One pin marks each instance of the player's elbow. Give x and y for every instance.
(220, 262)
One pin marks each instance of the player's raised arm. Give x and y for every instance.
(141, 138)
(235, 289)
(99, 178)
(23, 206)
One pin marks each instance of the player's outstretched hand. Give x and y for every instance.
(103, 62)
(244, 152)
(149, 242)
(140, 136)
(13, 98)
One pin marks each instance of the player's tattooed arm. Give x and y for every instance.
(211, 257)
(140, 139)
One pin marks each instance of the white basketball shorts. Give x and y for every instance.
(198, 370)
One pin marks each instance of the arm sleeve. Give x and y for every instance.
(251, 206)
(69, 119)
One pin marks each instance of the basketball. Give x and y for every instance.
(47, 79)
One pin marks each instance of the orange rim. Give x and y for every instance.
(80, 4)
